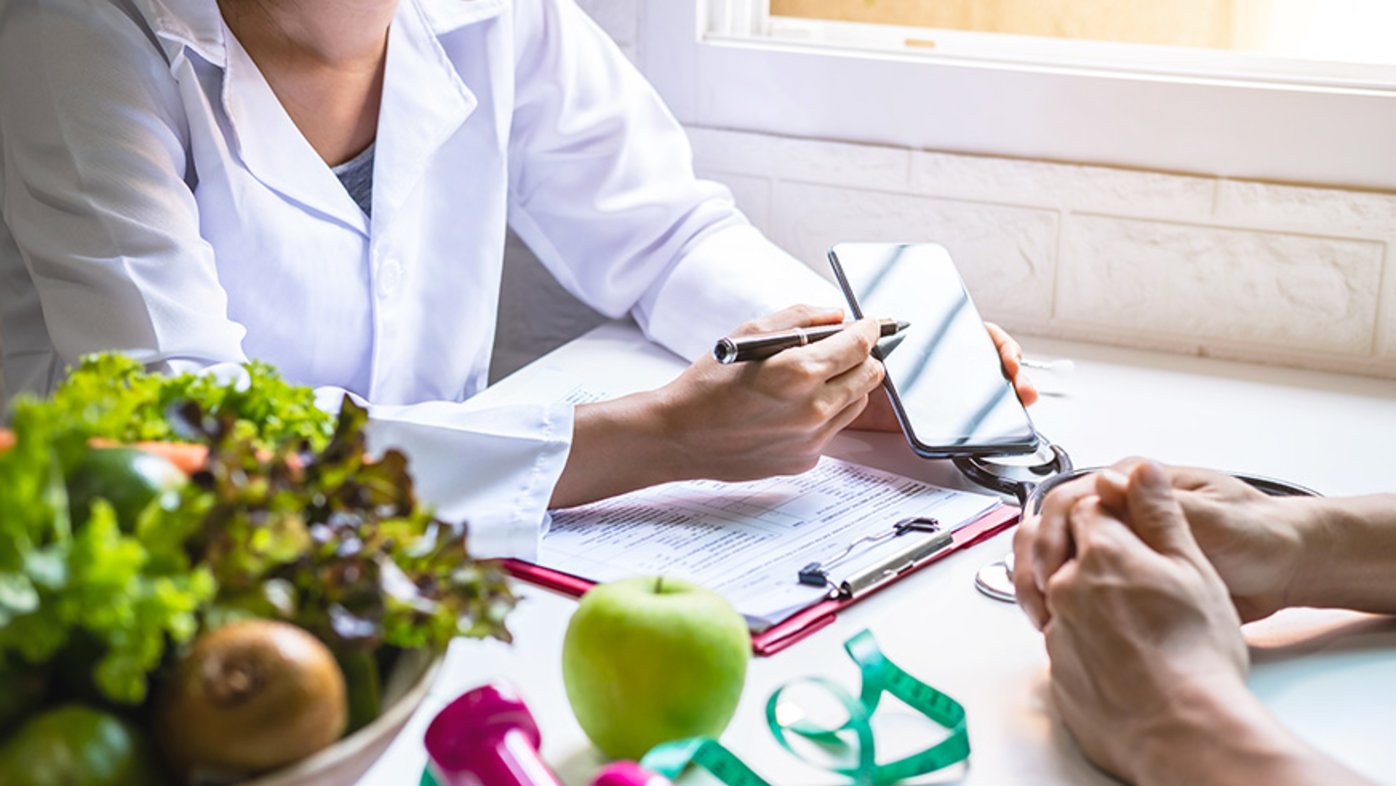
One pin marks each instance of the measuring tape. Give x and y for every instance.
(880, 675)
(851, 740)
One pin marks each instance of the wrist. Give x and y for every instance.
(617, 446)
(653, 438)
(1226, 737)
(668, 425)
(1347, 548)
(1313, 522)
(1213, 733)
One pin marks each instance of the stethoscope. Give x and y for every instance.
(1029, 479)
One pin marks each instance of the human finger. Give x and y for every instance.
(1112, 486)
(802, 315)
(856, 383)
(1030, 599)
(879, 415)
(1011, 356)
(1051, 546)
(1026, 390)
(1097, 533)
(1154, 512)
(1182, 478)
(838, 353)
(1009, 350)
(841, 420)
(1064, 583)
(1210, 480)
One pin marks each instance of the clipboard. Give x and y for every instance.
(810, 619)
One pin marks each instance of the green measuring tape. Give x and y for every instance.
(853, 738)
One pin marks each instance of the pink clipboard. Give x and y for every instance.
(807, 621)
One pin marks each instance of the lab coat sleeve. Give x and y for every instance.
(97, 198)
(602, 189)
(94, 189)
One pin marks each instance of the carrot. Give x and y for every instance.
(189, 458)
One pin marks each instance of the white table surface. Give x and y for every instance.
(1329, 675)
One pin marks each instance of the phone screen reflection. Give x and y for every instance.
(944, 368)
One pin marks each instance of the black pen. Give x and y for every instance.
(735, 349)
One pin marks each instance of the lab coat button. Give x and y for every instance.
(389, 277)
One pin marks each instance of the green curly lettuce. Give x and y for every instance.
(128, 596)
(112, 396)
(289, 519)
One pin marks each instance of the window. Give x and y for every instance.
(1351, 31)
(1289, 90)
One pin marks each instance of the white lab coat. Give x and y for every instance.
(158, 200)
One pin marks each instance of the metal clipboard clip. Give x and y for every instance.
(816, 574)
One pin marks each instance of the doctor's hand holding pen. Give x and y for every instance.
(739, 421)
(743, 420)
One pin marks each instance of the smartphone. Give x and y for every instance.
(944, 376)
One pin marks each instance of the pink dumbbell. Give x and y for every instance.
(487, 737)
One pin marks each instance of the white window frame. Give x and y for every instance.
(727, 64)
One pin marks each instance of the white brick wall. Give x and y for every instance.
(1252, 271)
(1271, 273)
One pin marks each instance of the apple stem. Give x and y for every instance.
(658, 585)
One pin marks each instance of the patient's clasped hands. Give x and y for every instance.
(1139, 629)
(1139, 578)
(1253, 540)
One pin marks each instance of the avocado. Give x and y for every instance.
(76, 744)
(128, 478)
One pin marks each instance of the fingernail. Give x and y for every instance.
(1150, 476)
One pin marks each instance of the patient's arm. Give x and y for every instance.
(1348, 554)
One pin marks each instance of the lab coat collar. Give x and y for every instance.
(192, 24)
(448, 15)
(424, 101)
(274, 150)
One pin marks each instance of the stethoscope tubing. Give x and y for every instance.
(996, 579)
(1059, 470)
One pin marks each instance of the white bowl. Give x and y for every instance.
(348, 759)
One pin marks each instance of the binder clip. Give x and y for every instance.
(816, 574)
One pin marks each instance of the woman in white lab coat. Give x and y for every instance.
(167, 191)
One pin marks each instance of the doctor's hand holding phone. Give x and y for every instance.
(954, 383)
(743, 420)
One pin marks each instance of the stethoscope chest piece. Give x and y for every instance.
(996, 579)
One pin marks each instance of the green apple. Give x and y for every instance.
(649, 660)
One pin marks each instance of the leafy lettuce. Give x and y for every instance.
(289, 519)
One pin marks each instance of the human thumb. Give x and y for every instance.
(1154, 513)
